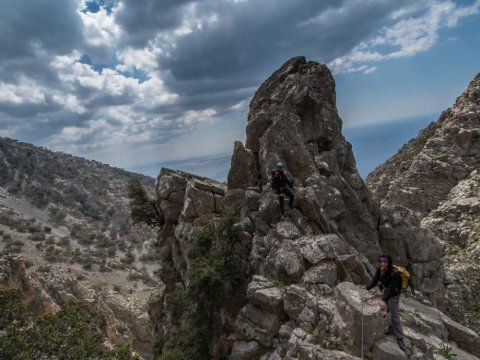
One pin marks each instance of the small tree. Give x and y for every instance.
(143, 209)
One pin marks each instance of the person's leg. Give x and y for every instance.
(291, 197)
(395, 323)
(281, 202)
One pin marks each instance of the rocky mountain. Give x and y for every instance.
(65, 226)
(437, 176)
(284, 287)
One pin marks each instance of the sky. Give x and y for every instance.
(140, 84)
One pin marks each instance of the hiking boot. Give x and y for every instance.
(401, 344)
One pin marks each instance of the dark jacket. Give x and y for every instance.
(390, 282)
(280, 181)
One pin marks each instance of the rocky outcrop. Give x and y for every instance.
(297, 297)
(13, 275)
(293, 119)
(436, 176)
(456, 222)
(187, 203)
(340, 324)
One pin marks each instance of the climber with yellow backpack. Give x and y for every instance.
(392, 281)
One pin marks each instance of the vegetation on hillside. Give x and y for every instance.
(73, 333)
(84, 198)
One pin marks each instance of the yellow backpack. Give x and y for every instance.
(405, 275)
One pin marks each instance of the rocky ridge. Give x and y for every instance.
(297, 299)
(447, 151)
(437, 176)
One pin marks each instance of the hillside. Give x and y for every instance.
(68, 220)
(436, 175)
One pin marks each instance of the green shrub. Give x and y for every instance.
(192, 344)
(76, 332)
(87, 263)
(56, 215)
(97, 286)
(64, 241)
(212, 278)
(150, 256)
(142, 208)
(13, 311)
(44, 268)
(447, 352)
(177, 305)
(37, 236)
(128, 259)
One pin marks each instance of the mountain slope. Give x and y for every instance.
(423, 172)
(436, 175)
(68, 218)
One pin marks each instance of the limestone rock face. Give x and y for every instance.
(299, 298)
(421, 175)
(457, 223)
(293, 119)
(416, 247)
(360, 320)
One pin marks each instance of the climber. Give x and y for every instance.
(281, 184)
(390, 284)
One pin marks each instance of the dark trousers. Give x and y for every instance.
(394, 318)
(281, 197)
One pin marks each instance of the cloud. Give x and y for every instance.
(406, 37)
(24, 92)
(91, 77)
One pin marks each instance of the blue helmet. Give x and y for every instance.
(280, 165)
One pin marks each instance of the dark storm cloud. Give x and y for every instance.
(251, 39)
(180, 62)
(141, 20)
(29, 28)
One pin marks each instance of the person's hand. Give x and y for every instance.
(383, 305)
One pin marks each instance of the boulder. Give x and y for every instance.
(255, 324)
(263, 294)
(388, 350)
(359, 319)
(244, 350)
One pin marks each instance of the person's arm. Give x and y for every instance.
(392, 289)
(375, 280)
(289, 183)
